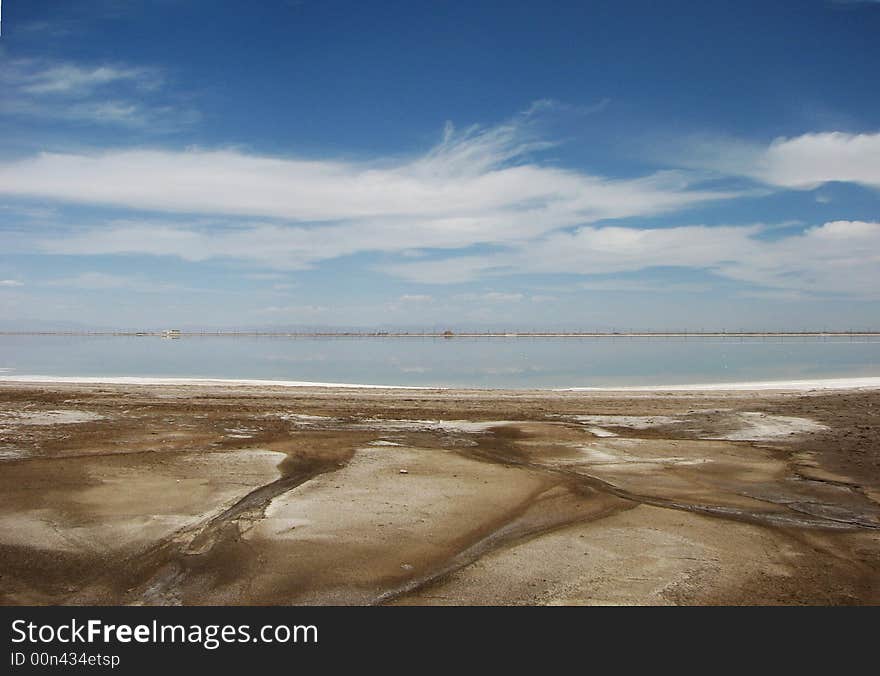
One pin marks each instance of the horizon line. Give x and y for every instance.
(448, 333)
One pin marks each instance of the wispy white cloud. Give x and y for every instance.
(10, 282)
(55, 28)
(802, 162)
(101, 281)
(67, 79)
(471, 187)
(29, 212)
(840, 257)
(480, 186)
(492, 297)
(100, 94)
(297, 311)
(594, 250)
(643, 286)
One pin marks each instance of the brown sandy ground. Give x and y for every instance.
(246, 495)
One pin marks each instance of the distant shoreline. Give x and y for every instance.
(779, 385)
(456, 334)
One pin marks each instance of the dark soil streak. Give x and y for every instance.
(513, 532)
(501, 450)
(155, 574)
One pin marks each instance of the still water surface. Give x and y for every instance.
(457, 362)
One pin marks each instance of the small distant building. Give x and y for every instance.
(171, 333)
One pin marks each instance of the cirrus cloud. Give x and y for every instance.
(477, 190)
(99, 94)
(802, 162)
(478, 186)
(839, 257)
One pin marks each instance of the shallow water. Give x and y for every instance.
(457, 362)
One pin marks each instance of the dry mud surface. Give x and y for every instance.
(122, 494)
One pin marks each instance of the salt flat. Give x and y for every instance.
(191, 493)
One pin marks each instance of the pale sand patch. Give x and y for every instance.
(59, 417)
(704, 473)
(809, 468)
(748, 425)
(709, 476)
(8, 453)
(121, 504)
(303, 419)
(646, 555)
(448, 426)
(601, 432)
(367, 522)
(37, 528)
(756, 426)
(636, 422)
(240, 432)
(606, 455)
(693, 471)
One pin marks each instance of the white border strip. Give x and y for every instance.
(789, 385)
(137, 380)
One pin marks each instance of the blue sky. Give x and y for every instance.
(508, 164)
